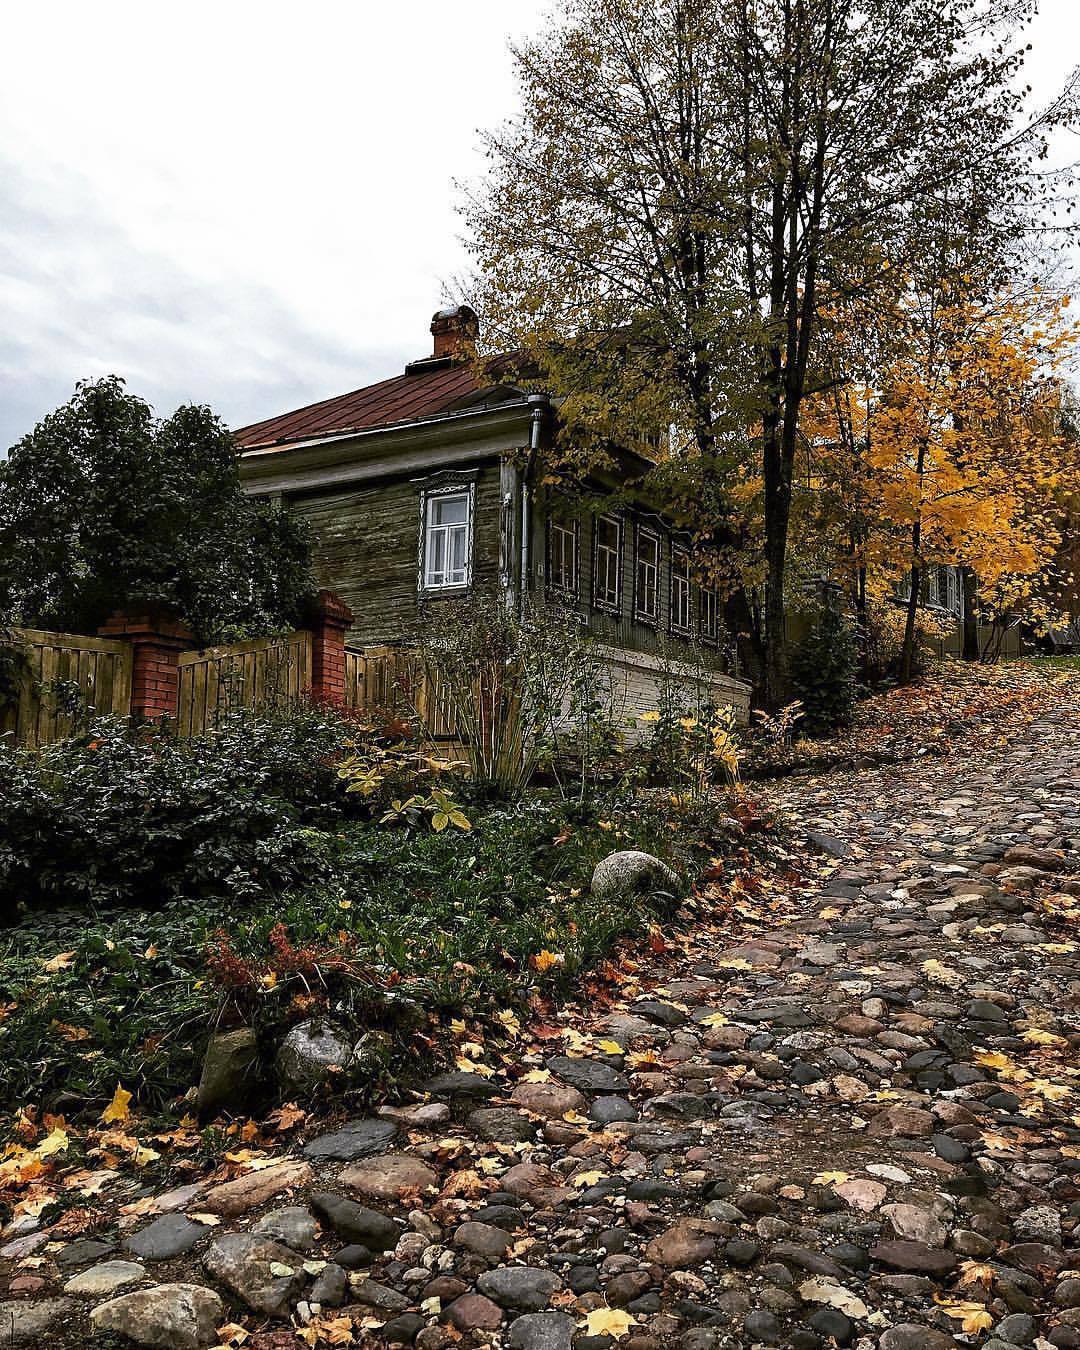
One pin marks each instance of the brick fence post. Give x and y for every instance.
(156, 642)
(331, 619)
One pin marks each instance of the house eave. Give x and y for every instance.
(400, 448)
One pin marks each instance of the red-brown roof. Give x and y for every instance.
(417, 394)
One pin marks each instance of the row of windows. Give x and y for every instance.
(564, 575)
(446, 564)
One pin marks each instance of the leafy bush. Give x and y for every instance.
(399, 933)
(104, 505)
(122, 816)
(823, 671)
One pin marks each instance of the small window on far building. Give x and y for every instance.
(607, 563)
(709, 614)
(647, 575)
(562, 557)
(446, 547)
(682, 614)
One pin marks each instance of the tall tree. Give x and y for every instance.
(695, 189)
(103, 505)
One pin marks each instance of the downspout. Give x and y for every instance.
(538, 404)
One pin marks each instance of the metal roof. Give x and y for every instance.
(426, 389)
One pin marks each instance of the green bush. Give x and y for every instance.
(823, 669)
(121, 816)
(400, 932)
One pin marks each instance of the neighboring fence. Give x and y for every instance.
(144, 666)
(387, 678)
(64, 675)
(262, 673)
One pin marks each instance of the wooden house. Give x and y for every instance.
(426, 486)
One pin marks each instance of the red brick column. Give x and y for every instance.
(331, 620)
(157, 641)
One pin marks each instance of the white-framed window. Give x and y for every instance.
(446, 527)
(682, 613)
(709, 614)
(647, 575)
(563, 538)
(607, 563)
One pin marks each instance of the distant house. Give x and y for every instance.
(426, 486)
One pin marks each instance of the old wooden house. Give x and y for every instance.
(425, 486)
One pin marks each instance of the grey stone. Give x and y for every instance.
(100, 1281)
(605, 1110)
(913, 1336)
(629, 874)
(31, 1319)
(227, 1071)
(500, 1125)
(294, 1225)
(312, 1054)
(542, 1331)
(380, 1296)
(243, 1263)
(356, 1223)
(166, 1237)
(588, 1075)
(484, 1239)
(357, 1139)
(331, 1287)
(169, 1316)
(519, 1287)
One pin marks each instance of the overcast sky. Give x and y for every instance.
(249, 204)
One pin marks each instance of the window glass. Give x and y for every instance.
(608, 539)
(708, 613)
(647, 576)
(681, 612)
(563, 556)
(446, 541)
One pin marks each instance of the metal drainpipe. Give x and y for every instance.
(538, 404)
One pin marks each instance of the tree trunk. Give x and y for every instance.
(971, 619)
(907, 653)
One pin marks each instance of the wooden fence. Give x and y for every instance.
(65, 675)
(261, 673)
(390, 679)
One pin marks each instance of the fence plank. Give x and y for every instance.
(99, 667)
(257, 673)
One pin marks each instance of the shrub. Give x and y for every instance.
(123, 816)
(823, 670)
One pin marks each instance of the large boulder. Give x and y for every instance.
(172, 1316)
(228, 1070)
(312, 1054)
(632, 875)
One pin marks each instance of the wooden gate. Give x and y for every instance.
(262, 673)
(66, 676)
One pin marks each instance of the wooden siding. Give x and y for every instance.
(257, 674)
(366, 549)
(95, 672)
(624, 631)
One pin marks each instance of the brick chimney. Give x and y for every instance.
(455, 330)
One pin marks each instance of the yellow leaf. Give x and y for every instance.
(1036, 1037)
(608, 1322)
(609, 1047)
(119, 1109)
(584, 1179)
(829, 1178)
(716, 1019)
(62, 962)
(54, 1142)
(993, 1059)
(544, 961)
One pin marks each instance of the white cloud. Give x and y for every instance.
(249, 204)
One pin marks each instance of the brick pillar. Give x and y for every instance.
(331, 620)
(157, 641)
